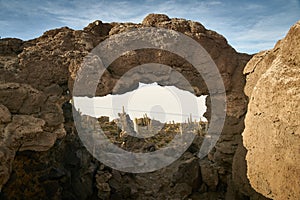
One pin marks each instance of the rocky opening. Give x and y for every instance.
(163, 103)
(68, 160)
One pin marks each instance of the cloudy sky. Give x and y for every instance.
(249, 26)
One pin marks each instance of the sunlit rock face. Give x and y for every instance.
(272, 126)
(39, 75)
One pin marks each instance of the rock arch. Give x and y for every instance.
(49, 65)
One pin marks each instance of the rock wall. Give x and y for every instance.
(272, 132)
(36, 79)
(29, 121)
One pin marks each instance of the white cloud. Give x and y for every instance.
(266, 30)
(214, 3)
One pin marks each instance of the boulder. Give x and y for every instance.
(272, 126)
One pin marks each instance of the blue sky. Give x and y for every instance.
(249, 26)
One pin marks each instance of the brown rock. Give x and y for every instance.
(103, 177)
(209, 175)
(22, 99)
(9, 64)
(27, 122)
(6, 158)
(272, 132)
(153, 19)
(183, 190)
(27, 132)
(189, 173)
(10, 46)
(241, 184)
(5, 115)
(174, 182)
(98, 28)
(23, 133)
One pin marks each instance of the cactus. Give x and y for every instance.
(180, 128)
(136, 126)
(150, 124)
(123, 110)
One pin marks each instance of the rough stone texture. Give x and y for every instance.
(5, 115)
(209, 175)
(176, 181)
(37, 78)
(11, 46)
(239, 175)
(29, 121)
(272, 127)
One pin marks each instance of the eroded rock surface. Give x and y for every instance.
(29, 121)
(272, 132)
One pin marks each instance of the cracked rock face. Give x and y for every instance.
(29, 121)
(272, 126)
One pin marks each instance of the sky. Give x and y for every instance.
(249, 26)
(172, 104)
